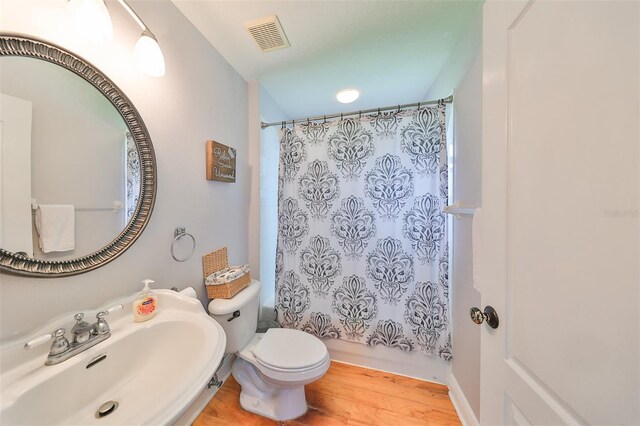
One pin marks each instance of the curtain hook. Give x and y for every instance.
(398, 108)
(325, 119)
(360, 114)
(341, 117)
(293, 123)
(418, 106)
(378, 111)
(308, 121)
(282, 126)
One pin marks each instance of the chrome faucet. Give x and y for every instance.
(81, 332)
(84, 336)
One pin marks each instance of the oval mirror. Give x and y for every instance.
(77, 166)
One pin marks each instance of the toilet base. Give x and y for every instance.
(289, 404)
(266, 399)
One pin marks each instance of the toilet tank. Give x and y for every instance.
(239, 330)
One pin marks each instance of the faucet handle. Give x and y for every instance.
(101, 326)
(38, 341)
(58, 335)
(114, 309)
(60, 343)
(100, 315)
(78, 317)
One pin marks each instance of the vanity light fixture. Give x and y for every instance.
(146, 53)
(346, 96)
(92, 20)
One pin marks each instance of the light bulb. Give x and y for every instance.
(148, 55)
(346, 96)
(92, 20)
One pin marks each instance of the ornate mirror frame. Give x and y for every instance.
(12, 44)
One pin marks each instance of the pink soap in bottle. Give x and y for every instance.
(145, 306)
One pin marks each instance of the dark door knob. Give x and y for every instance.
(489, 315)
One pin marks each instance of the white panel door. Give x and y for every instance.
(561, 212)
(15, 175)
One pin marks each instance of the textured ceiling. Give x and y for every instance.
(390, 50)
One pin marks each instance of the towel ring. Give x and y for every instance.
(177, 234)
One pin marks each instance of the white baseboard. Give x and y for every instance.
(382, 358)
(460, 403)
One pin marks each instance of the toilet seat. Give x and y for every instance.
(280, 348)
(289, 370)
(274, 354)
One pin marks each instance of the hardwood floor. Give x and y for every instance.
(347, 395)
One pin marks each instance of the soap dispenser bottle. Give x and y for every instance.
(145, 305)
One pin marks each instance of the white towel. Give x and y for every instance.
(56, 225)
(476, 247)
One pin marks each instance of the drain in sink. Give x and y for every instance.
(106, 409)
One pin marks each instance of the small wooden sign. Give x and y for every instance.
(221, 162)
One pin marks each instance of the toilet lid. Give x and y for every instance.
(285, 348)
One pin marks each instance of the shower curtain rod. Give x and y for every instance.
(447, 100)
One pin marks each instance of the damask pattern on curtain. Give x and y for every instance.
(132, 177)
(362, 241)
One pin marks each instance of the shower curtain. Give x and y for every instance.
(132, 178)
(362, 241)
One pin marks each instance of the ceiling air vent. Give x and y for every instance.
(267, 33)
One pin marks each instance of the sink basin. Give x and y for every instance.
(153, 370)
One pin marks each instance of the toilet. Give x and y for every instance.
(273, 367)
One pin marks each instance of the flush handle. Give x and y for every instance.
(235, 315)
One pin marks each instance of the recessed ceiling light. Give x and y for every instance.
(346, 96)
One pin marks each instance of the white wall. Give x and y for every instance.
(467, 181)
(462, 75)
(201, 97)
(254, 225)
(269, 159)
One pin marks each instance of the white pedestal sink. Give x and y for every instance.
(153, 370)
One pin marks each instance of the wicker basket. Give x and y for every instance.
(214, 262)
